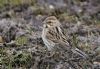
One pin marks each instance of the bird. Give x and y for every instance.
(54, 36)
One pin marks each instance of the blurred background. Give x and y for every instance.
(21, 46)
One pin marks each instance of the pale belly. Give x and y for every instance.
(49, 44)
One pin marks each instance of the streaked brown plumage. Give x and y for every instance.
(54, 35)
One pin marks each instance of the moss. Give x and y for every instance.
(22, 40)
(13, 60)
(22, 58)
(16, 2)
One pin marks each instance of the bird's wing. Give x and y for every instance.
(59, 40)
(57, 35)
(52, 35)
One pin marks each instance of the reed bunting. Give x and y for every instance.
(54, 37)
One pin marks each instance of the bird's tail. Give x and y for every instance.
(81, 53)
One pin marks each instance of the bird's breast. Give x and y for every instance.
(47, 42)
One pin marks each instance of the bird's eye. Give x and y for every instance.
(49, 22)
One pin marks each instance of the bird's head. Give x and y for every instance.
(50, 22)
